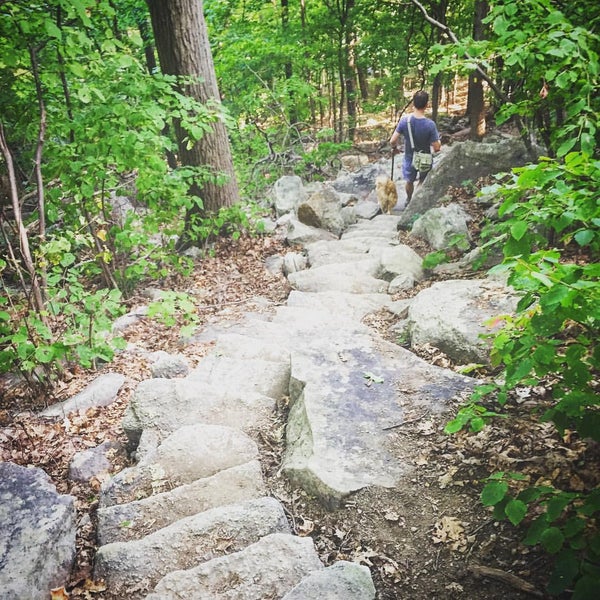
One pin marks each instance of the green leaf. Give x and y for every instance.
(586, 588)
(565, 570)
(535, 531)
(552, 540)
(372, 378)
(493, 492)
(44, 354)
(584, 236)
(515, 511)
(518, 229)
(52, 29)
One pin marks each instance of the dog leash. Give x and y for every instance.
(392, 174)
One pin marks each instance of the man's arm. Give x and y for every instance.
(394, 141)
(436, 146)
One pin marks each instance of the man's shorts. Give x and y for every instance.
(409, 173)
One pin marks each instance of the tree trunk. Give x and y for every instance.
(475, 100)
(183, 49)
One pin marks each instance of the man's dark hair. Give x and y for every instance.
(420, 99)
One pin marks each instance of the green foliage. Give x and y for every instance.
(457, 243)
(547, 62)
(231, 221)
(175, 308)
(549, 236)
(561, 523)
(76, 329)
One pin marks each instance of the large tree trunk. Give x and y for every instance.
(183, 49)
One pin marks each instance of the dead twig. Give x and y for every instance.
(508, 578)
(408, 422)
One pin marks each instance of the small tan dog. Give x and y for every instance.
(387, 194)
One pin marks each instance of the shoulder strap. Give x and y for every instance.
(412, 141)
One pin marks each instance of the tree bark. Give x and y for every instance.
(183, 48)
(475, 100)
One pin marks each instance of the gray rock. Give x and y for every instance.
(294, 261)
(367, 209)
(192, 452)
(438, 226)
(401, 283)
(346, 387)
(101, 392)
(266, 569)
(288, 192)
(400, 260)
(238, 393)
(133, 520)
(450, 315)
(342, 581)
(301, 234)
(464, 161)
(168, 366)
(131, 318)
(94, 462)
(132, 569)
(349, 216)
(322, 210)
(37, 534)
(355, 277)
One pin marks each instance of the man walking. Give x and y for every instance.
(424, 135)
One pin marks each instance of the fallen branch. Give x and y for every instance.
(508, 578)
(408, 422)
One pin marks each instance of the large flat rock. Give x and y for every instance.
(267, 569)
(359, 277)
(347, 386)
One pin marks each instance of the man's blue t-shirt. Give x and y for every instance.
(424, 133)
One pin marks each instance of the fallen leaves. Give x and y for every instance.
(450, 531)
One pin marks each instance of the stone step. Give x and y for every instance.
(132, 569)
(190, 453)
(168, 404)
(342, 581)
(134, 520)
(358, 277)
(268, 568)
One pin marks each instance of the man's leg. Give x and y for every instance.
(409, 187)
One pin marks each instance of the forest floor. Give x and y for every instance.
(429, 539)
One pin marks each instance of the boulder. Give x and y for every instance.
(451, 316)
(266, 569)
(400, 260)
(168, 366)
(132, 569)
(299, 233)
(192, 452)
(37, 534)
(342, 581)
(94, 462)
(464, 161)
(323, 210)
(135, 519)
(439, 226)
(288, 193)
